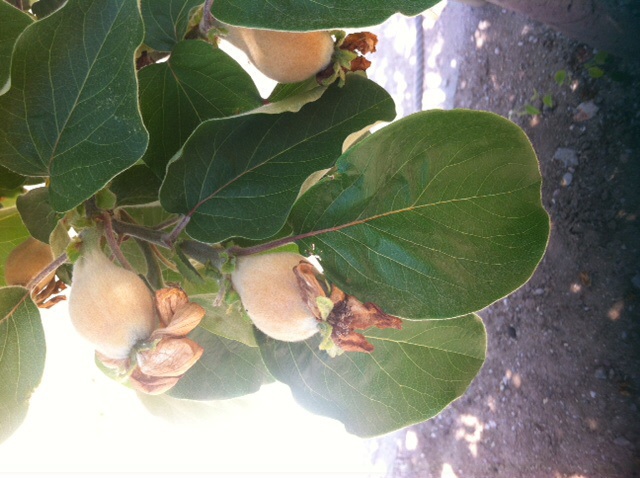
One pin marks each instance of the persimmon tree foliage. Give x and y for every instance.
(139, 163)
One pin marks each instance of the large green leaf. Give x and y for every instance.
(434, 216)
(72, 111)
(45, 8)
(314, 14)
(411, 375)
(12, 23)
(9, 181)
(12, 233)
(197, 83)
(225, 321)
(166, 21)
(22, 354)
(136, 185)
(239, 176)
(37, 214)
(227, 369)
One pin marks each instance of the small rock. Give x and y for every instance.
(593, 394)
(585, 111)
(567, 156)
(600, 373)
(622, 441)
(538, 291)
(567, 179)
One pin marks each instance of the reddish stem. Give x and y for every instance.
(113, 242)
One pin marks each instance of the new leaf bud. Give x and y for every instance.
(271, 295)
(109, 306)
(286, 57)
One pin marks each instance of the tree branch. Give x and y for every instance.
(113, 243)
(141, 232)
(44, 273)
(207, 19)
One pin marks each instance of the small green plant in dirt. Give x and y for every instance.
(596, 66)
(561, 77)
(178, 178)
(536, 102)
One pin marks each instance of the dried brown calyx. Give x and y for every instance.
(49, 295)
(348, 56)
(342, 313)
(157, 364)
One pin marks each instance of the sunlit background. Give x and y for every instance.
(81, 421)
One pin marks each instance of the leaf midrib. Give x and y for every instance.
(284, 151)
(82, 87)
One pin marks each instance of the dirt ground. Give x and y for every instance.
(559, 394)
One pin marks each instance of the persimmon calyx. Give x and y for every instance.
(157, 364)
(348, 56)
(346, 314)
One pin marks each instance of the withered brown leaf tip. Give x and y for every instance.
(348, 313)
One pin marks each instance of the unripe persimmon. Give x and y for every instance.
(271, 295)
(109, 306)
(286, 57)
(26, 261)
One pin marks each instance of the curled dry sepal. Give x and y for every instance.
(159, 362)
(49, 295)
(340, 313)
(348, 56)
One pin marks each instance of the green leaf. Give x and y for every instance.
(37, 213)
(226, 321)
(166, 21)
(227, 369)
(601, 58)
(199, 82)
(561, 77)
(239, 176)
(72, 112)
(13, 22)
(149, 215)
(304, 15)
(12, 233)
(531, 110)
(45, 8)
(436, 215)
(547, 100)
(22, 355)
(411, 375)
(292, 101)
(596, 72)
(283, 91)
(9, 181)
(186, 269)
(136, 185)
